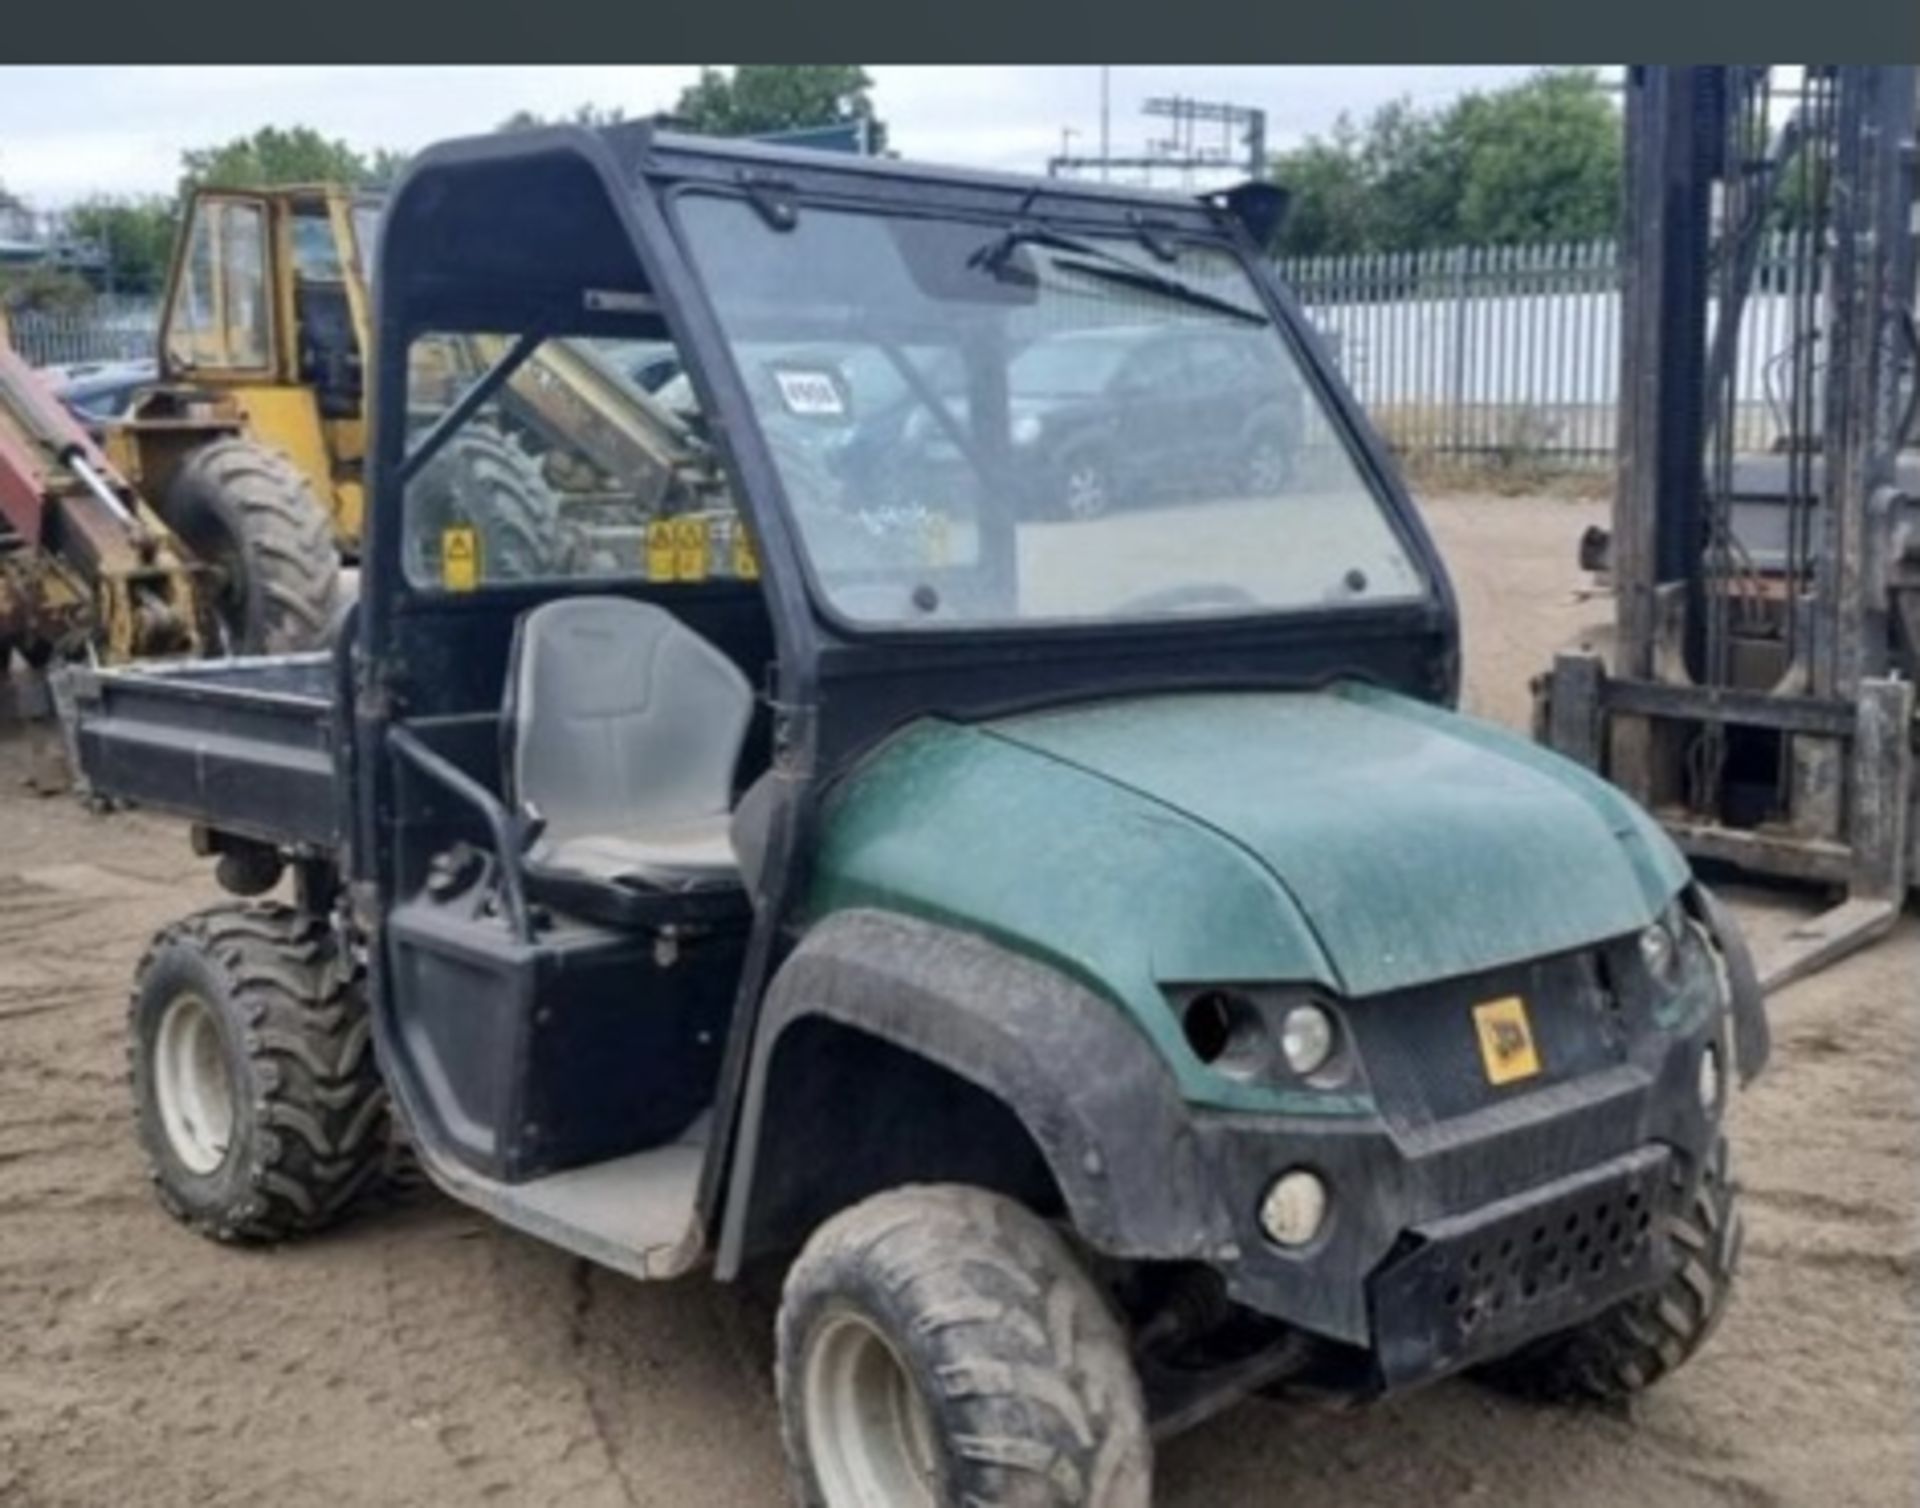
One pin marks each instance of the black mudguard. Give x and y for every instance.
(1087, 1086)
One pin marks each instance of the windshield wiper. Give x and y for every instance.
(1097, 262)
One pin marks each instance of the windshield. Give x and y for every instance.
(366, 233)
(566, 466)
(977, 426)
(1071, 364)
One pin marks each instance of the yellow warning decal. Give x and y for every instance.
(460, 557)
(1506, 1040)
(660, 556)
(690, 546)
(746, 565)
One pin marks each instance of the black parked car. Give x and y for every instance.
(98, 391)
(1104, 416)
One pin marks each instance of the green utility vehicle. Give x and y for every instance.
(1082, 944)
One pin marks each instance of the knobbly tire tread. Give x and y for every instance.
(1633, 1345)
(242, 492)
(1024, 1368)
(491, 483)
(312, 1132)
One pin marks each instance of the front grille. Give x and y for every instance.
(1422, 1053)
(1474, 1286)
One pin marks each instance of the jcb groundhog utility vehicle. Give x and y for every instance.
(1089, 947)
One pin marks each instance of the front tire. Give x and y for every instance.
(247, 510)
(1635, 1344)
(941, 1345)
(256, 1096)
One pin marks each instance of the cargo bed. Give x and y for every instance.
(247, 746)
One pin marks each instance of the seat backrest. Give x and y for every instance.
(623, 720)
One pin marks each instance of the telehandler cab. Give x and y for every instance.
(1090, 948)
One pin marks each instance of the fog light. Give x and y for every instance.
(1306, 1039)
(1710, 1077)
(1294, 1208)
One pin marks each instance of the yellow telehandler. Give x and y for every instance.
(255, 436)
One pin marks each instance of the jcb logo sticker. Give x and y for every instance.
(1506, 1040)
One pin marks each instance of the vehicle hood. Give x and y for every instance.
(1414, 843)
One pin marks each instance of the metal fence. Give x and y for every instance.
(1499, 355)
(1509, 355)
(108, 329)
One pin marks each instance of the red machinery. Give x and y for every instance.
(85, 566)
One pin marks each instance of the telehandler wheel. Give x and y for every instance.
(484, 480)
(255, 1091)
(941, 1345)
(249, 511)
(1633, 1345)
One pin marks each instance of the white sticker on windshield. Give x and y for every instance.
(810, 392)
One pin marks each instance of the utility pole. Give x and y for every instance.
(1106, 120)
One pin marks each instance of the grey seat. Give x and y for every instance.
(626, 727)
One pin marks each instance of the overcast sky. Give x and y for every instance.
(66, 133)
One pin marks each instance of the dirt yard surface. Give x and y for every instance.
(422, 1355)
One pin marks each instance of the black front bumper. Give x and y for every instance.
(1475, 1286)
(1456, 1232)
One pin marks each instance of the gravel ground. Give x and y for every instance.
(421, 1355)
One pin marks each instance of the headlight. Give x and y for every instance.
(1261, 1035)
(1306, 1039)
(1660, 950)
(1026, 429)
(1295, 1208)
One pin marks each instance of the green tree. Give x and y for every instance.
(384, 167)
(779, 97)
(1327, 213)
(1540, 161)
(1415, 168)
(273, 155)
(135, 234)
(39, 287)
(1537, 161)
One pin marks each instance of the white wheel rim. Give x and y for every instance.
(192, 1085)
(1086, 491)
(869, 1433)
(1267, 469)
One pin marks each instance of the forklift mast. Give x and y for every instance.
(1765, 550)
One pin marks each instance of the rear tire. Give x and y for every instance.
(1635, 1344)
(249, 511)
(255, 1091)
(941, 1345)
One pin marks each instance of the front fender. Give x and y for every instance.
(1086, 1085)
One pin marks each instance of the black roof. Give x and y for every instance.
(482, 219)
